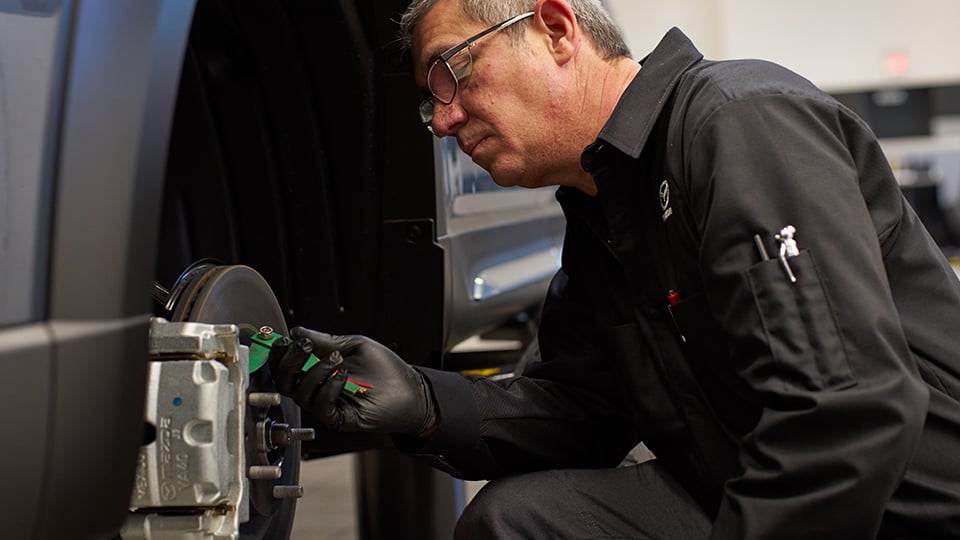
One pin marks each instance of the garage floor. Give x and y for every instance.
(327, 510)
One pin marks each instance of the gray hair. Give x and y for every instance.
(593, 18)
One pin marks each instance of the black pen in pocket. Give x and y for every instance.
(760, 248)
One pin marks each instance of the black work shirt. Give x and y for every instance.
(825, 406)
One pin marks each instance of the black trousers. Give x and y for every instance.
(638, 502)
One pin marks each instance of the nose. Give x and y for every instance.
(447, 119)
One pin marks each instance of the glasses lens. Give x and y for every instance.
(441, 82)
(444, 77)
(426, 111)
(461, 64)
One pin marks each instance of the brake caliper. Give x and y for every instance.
(191, 479)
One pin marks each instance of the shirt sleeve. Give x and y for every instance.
(825, 356)
(562, 413)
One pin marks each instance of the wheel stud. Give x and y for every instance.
(282, 434)
(264, 472)
(288, 492)
(263, 399)
(302, 434)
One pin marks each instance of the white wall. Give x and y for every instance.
(644, 22)
(841, 45)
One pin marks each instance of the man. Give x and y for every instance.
(742, 288)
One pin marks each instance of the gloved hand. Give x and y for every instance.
(399, 401)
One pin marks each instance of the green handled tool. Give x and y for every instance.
(262, 341)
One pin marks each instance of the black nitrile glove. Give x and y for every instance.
(398, 400)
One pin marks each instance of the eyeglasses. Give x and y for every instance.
(453, 66)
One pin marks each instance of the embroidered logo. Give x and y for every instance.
(665, 200)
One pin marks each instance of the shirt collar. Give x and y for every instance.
(640, 105)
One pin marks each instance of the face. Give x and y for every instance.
(505, 114)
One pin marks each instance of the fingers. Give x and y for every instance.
(329, 394)
(281, 358)
(319, 388)
(286, 361)
(322, 342)
(321, 376)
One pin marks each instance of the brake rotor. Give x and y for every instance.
(239, 295)
(230, 295)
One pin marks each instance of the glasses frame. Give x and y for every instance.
(427, 105)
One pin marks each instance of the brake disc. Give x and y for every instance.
(230, 295)
(240, 296)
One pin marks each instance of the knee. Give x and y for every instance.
(503, 508)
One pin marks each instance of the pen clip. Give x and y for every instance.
(788, 249)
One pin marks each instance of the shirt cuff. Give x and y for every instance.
(457, 440)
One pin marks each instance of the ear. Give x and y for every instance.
(561, 30)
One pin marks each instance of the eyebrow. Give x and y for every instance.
(437, 51)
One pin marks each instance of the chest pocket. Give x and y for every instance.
(800, 326)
